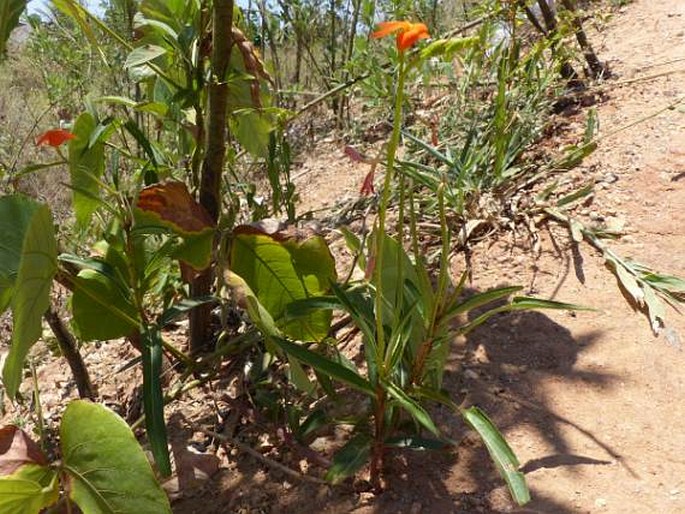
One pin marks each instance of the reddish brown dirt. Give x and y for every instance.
(590, 402)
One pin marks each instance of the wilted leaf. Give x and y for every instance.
(18, 449)
(172, 204)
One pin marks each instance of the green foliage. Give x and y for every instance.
(103, 469)
(107, 468)
(281, 270)
(28, 490)
(10, 11)
(86, 166)
(28, 254)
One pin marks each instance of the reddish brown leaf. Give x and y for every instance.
(17, 449)
(367, 186)
(354, 155)
(172, 203)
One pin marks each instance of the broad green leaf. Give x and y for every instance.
(142, 55)
(153, 401)
(102, 307)
(350, 458)
(252, 129)
(28, 251)
(10, 11)
(281, 270)
(410, 405)
(501, 453)
(86, 166)
(28, 490)
(109, 471)
(196, 250)
(326, 366)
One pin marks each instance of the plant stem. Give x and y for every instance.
(39, 410)
(69, 348)
(382, 212)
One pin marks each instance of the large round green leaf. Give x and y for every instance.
(108, 470)
(281, 270)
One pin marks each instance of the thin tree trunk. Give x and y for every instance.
(69, 348)
(344, 104)
(597, 69)
(567, 71)
(278, 79)
(213, 164)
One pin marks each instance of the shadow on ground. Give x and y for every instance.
(502, 366)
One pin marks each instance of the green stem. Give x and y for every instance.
(382, 213)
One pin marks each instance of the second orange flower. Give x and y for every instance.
(407, 33)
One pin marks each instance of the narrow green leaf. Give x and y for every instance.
(153, 401)
(179, 309)
(350, 458)
(108, 470)
(324, 365)
(501, 453)
(410, 405)
(480, 299)
(415, 443)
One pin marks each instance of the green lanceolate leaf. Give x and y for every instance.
(28, 263)
(153, 401)
(501, 453)
(182, 307)
(410, 405)
(350, 458)
(102, 307)
(10, 11)
(28, 490)
(328, 367)
(86, 166)
(108, 470)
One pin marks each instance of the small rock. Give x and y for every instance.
(470, 374)
(600, 502)
(415, 508)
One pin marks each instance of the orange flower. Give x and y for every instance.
(55, 137)
(407, 33)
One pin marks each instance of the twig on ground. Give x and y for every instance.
(265, 460)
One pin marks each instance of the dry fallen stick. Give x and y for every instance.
(269, 462)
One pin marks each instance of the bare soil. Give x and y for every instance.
(591, 402)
